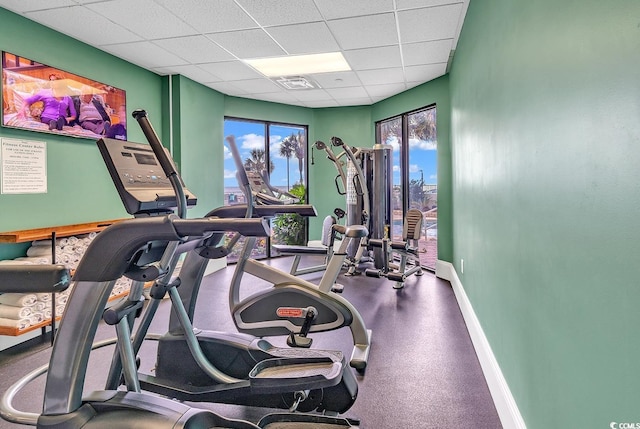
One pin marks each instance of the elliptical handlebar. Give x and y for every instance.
(166, 164)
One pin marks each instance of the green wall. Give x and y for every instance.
(545, 135)
(353, 125)
(79, 188)
(198, 113)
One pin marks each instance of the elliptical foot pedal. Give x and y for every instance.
(301, 420)
(270, 375)
(337, 288)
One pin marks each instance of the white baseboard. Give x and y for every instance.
(215, 265)
(502, 398)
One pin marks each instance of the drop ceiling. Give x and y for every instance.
(391, 45)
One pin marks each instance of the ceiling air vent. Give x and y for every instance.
(296, 82)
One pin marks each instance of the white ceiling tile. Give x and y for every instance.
(337, 79)
(352, 92)
(424, 52)
(208, 16)
(195, 49)
(203, 39)
(432, 23)
(145, 54)
(425, 73)
(193, 72)
(30, 5)
(248, 43)
(310, 94)
(365, 32)
(335, 9)
(257, 86)
(354, 101)
(386, 90)
(277, 97)
(413, 4)
(309, 38)
(89, 27)
(381, 76)
(374, 58)
(147, 18)
(226, 88)
(279, 12)
(320, 103)
(231, 70)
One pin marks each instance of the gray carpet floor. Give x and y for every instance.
(423, 371)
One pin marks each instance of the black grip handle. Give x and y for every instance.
(337, 141)
(140, 115)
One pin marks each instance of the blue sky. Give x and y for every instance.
(251, 135)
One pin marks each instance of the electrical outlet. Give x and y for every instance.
(461, 266)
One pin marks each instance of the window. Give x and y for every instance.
(415, 183)
(279, 152)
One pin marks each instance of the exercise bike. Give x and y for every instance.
(293, 306)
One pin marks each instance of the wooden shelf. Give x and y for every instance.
(14, 332)
(61, 231)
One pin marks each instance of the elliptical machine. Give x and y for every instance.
(204, 365)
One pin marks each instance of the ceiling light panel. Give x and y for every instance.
(248, 43)
(432, 23)
(309, 38)
(279, 12)
(208, 16)
(365, 32)
(299, 64)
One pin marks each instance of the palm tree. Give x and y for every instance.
(257, 162)
(287, 148)
(300, 152)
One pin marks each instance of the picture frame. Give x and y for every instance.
(41, 98)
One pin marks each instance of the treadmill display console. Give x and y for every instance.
(139, 179)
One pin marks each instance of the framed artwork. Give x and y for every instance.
(37, 97)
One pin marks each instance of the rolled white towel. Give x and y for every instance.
(62, 241)
(12, 312)
(44, 297)
(18, 299)
(15, 323)
(42, 243)
(38, 260)
(46, 313)
(60, 309)
(39, 251)
(39, 306)
(61, 299)
(36, 317)
(15, 262)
